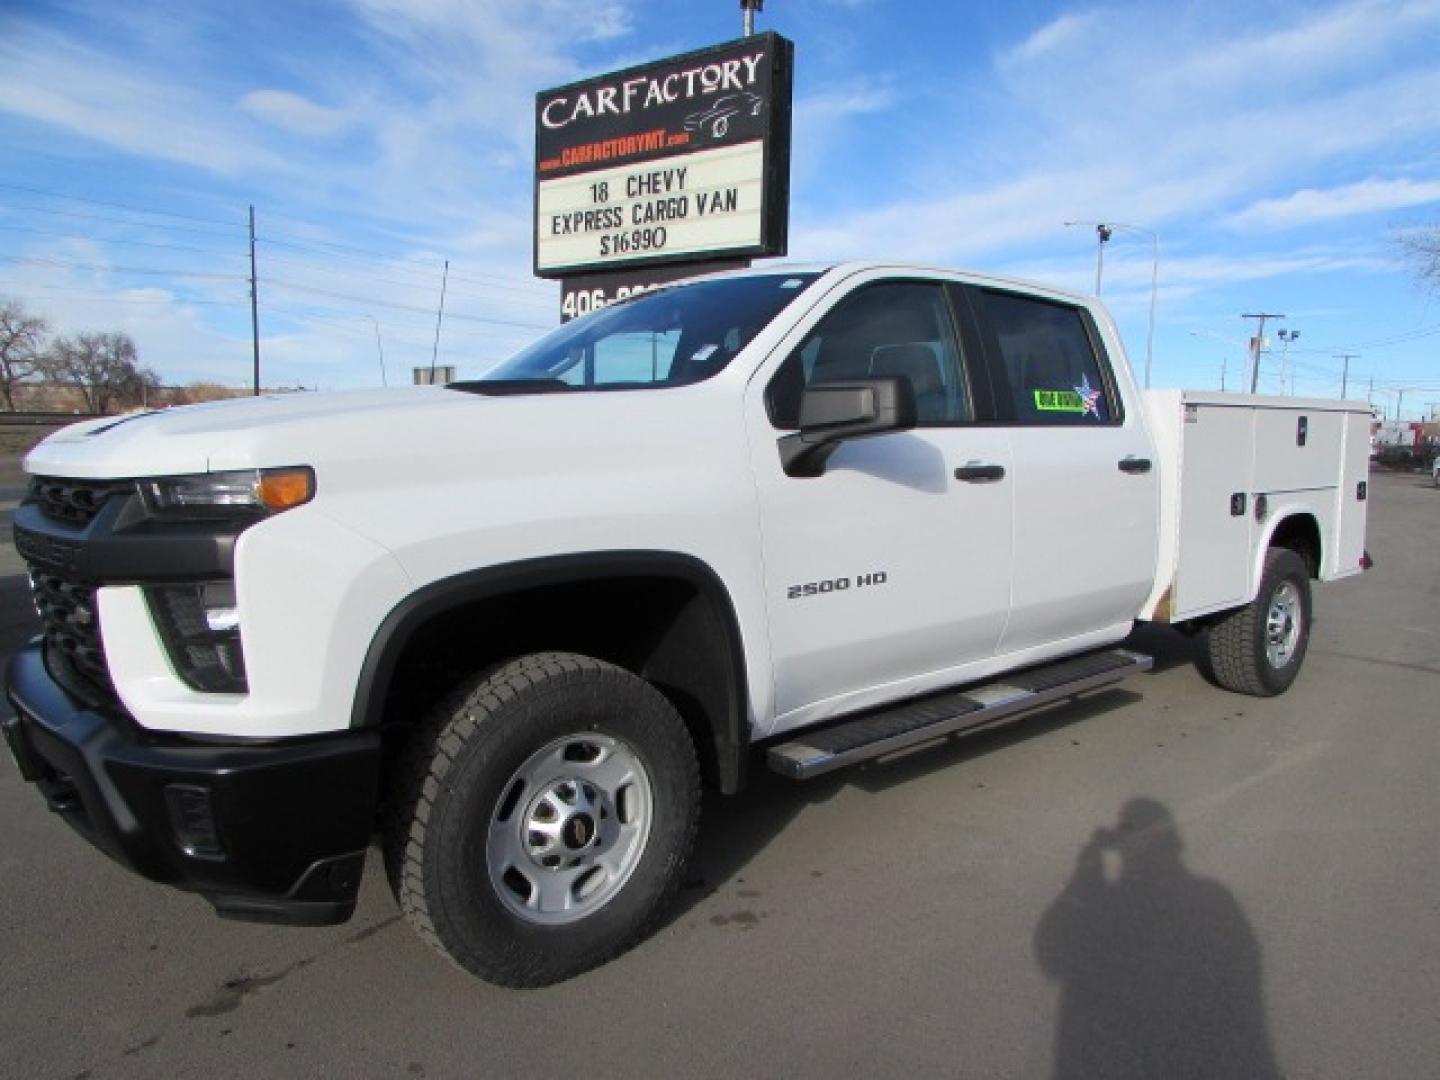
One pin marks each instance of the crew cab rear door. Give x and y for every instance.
(1085, 483)
(889, 572)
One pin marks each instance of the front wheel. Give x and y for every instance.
(1258, 649)
(544, 819)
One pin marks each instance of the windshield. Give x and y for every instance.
(671, 337)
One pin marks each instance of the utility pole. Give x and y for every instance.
(1257, 343)
(1345, 373)
(1222, 374)
(1399, 400)
(439, 316)
(254, 305)
(747, 14)
(380, 349)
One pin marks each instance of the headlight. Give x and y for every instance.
(199, 621)
(244, 490)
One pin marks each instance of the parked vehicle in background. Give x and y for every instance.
(514, 624)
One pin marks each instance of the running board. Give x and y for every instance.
(879, 732)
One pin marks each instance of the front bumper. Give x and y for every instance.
(270, 831)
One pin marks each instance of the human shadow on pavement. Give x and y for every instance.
(1159, 970)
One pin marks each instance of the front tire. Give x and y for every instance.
(1258, 649)
(544, 818)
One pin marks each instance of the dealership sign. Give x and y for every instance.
(682, 160)
(581, 294)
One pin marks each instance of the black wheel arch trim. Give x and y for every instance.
(729, 729)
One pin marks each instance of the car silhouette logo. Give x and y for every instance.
(716, 119)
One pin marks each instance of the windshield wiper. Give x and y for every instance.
(506, 387)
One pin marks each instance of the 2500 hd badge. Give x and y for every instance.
(833, 585)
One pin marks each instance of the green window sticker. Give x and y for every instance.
(1059, 401)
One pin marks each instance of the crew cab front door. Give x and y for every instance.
(890, 572)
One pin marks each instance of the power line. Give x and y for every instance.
(115, 298)
(368, 258)
(116, 205)
(238, 233)
(1398, 339)
(401, 307)
(111, 218)
(547, 302)
(106, 240)
(65, 264)
(161, 271)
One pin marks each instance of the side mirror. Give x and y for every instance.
(832, 412)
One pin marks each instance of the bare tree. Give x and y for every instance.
(22, 344)
(103, 368)
(1422, 247)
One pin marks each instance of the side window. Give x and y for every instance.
(893, 329)
(1054, 375)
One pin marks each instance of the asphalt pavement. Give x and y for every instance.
(1163, 880)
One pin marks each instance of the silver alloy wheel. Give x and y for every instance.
(569, 829)
(1282, 624)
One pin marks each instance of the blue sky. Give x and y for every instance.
(1277, 149)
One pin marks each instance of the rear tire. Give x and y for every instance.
(543, 818)
(1258, 649)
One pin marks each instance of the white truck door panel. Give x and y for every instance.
(1217, 465)
(1085, 478)
(1349, 548)
(1297, 449)
(885, 568)
(1085, 536)
(888, 567)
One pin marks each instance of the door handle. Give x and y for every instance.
(1135, 464)
(980, 474)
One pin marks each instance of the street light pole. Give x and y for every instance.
(1103, 231)
(1287, 336)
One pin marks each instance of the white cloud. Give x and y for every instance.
(1347, 37)
(1068, 29)
(1310, 204)
(295, 114)
(860, 96)
(51, 79)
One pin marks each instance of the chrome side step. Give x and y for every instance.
(879, 732)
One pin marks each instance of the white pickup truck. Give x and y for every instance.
(513, 625)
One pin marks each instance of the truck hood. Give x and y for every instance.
(236, 433)
(404, 433)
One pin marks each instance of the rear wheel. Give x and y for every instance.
(1258, 649)
(544, 818)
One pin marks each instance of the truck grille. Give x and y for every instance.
(71, 623)
(73, 501)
